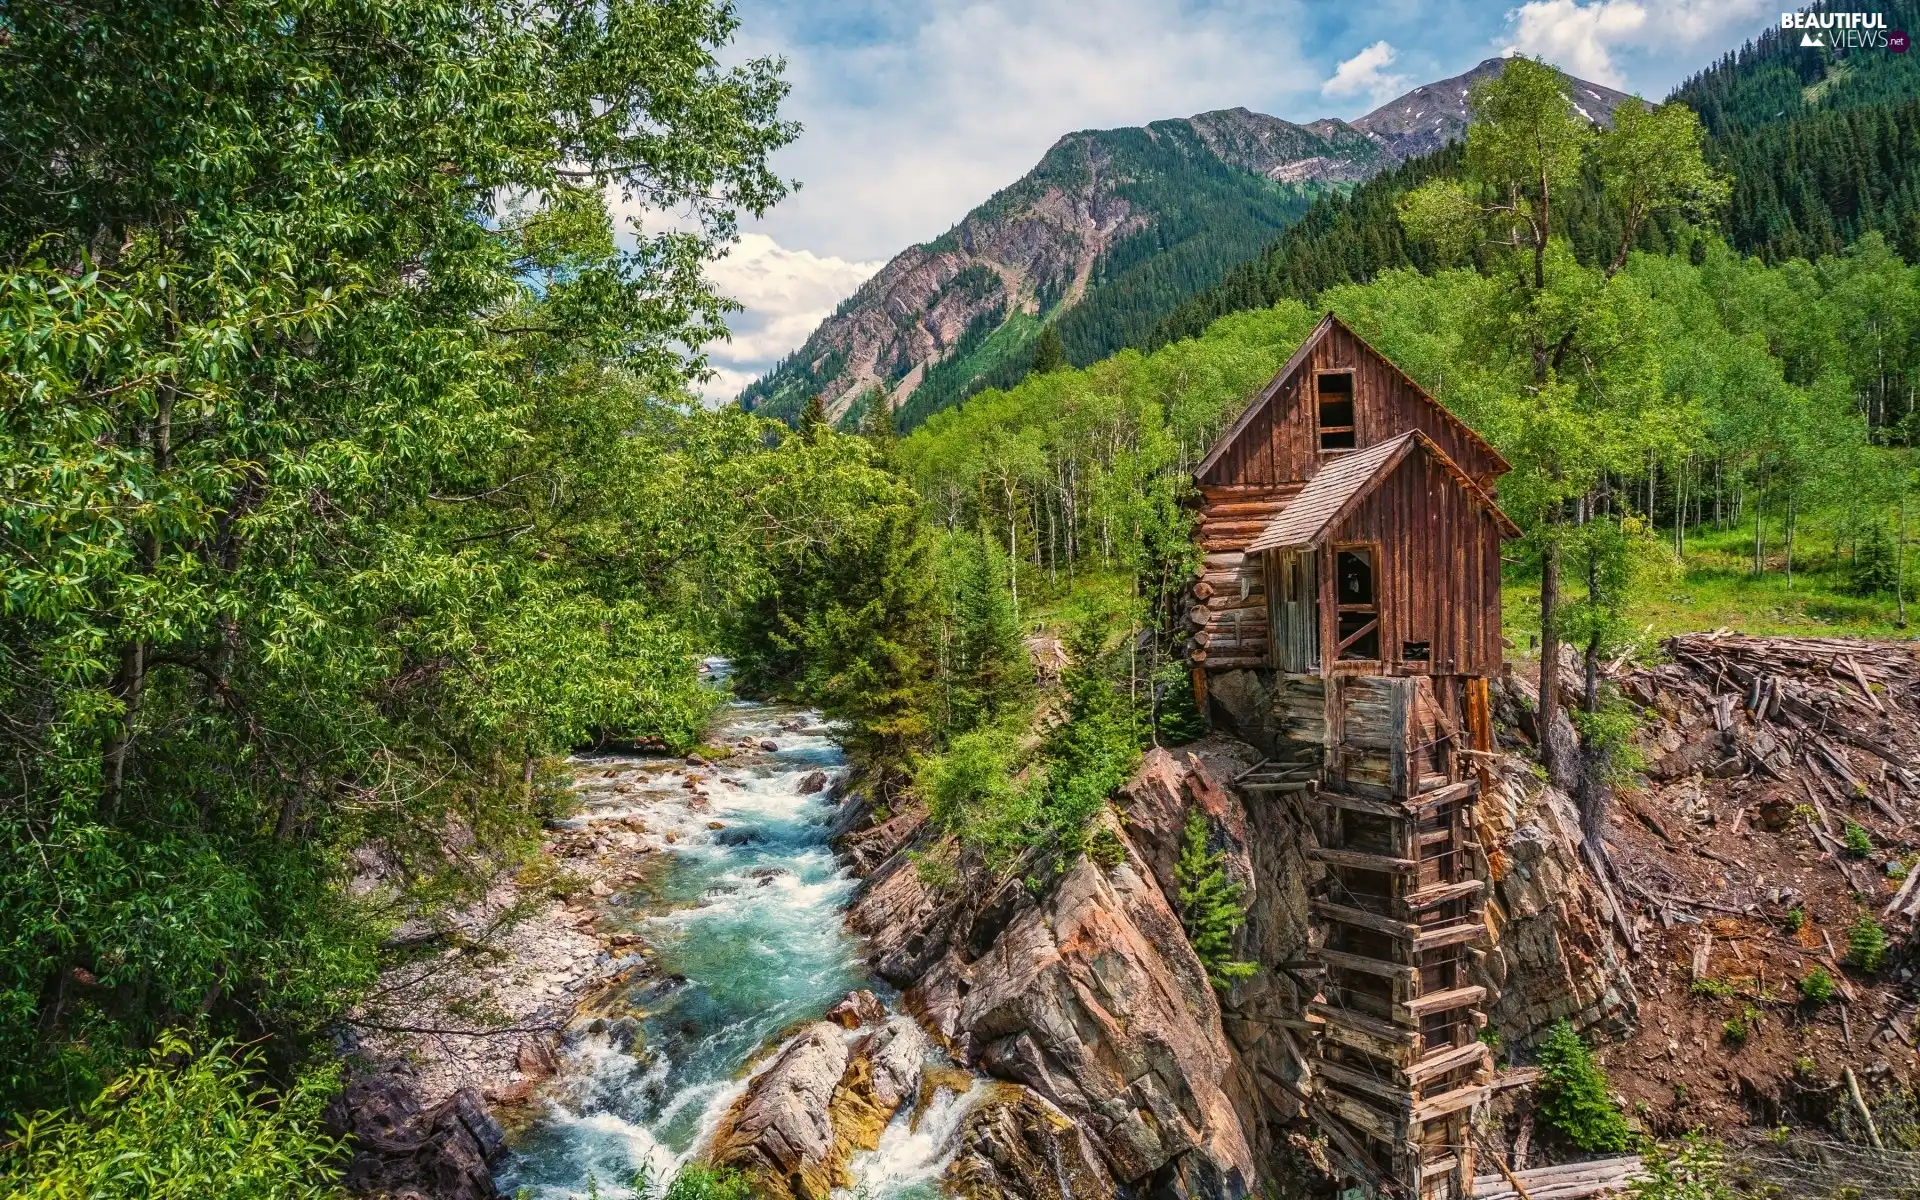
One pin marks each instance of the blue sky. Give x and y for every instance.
(914, 112)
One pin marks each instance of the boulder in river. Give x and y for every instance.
(815, 781)
(1014, 1143)
(781, 1131)
(400, 1148)
(857, 1009)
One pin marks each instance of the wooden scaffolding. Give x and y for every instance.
(1397, 1069)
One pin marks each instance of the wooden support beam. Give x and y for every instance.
(1441, 893)
(1396, 1097)
(1449, 935)
(1360, 861)
(1452, 1058)
(1362, 1116)
(1378, 808)
(1447, 1102)
(1366, 965)
(1435, 1002)
(1445, 795)
(1384, 1031)
(1348, 915)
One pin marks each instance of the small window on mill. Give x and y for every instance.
(1416, 651)
(1336, 410)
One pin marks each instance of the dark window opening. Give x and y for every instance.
(1358, 624)
(1336, 411)
(1367, 644)
(1416, 651)
(1355, 574)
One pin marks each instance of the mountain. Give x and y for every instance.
(1112, 231)
(1823, 146)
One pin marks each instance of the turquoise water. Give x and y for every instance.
(747, 925)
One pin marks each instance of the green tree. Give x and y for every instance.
(1575, 328)
(304, 314)
(1573, 1094)
(1048, 357)
(1212, 904)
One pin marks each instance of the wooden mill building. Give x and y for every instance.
(1347, 621)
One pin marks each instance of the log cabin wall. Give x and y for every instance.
(1230, 616)
(1436, 574)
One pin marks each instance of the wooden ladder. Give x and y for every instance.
(1397, 1066)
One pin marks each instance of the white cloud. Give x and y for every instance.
(784, 293)
(916, 120)
(1362, 75)
(1588, 40)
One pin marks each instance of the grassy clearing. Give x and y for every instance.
(1717, 589)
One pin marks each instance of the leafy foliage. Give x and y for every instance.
(183, 1125)
(1573, 1093)
(1858, 841)
(695, 1181)
(350, 470)
(1212, 905)
(1695, 1168)
(1816, 987)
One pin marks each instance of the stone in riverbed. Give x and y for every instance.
(1014, 1143)
(815, 781)
(781, 1131)
(769, 745)
(857, 1009)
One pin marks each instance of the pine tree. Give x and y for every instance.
(1047, 353)
(1573, 1093)
(1212, 905)
(813, 418)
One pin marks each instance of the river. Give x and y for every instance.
(746, 924)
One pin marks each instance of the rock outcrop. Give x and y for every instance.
(829, 1092)
(408, 1152)
(1016, 1146)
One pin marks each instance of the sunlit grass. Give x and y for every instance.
(1717, 589)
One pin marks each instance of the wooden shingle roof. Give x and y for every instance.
(1341, 484)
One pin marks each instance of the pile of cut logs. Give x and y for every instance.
(1844, 709)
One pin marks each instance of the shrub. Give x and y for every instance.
(1866, 944)
(695, 1181)
(1734, 1033)
(1212, 906)
(1859, 841)
(1573, 1093)
(1872, 572)
(1695, 1169)
(1796, 920)
(1713, 989)
(181, 1132)
(1816, 986)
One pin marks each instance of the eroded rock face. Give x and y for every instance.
(1553, 955)
(1017, 1146)
(1093, 999)
(403, 1150)
(781, 1130)
(827, 1094)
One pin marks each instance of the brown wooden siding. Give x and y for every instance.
(1281, 443)
(1437, 579)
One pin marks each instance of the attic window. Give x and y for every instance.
(1336, 409)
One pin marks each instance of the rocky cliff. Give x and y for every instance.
(1120, 1066)
(1115, 227)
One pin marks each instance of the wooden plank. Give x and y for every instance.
(1448, 1102)
(1360, 861)
(1365, 965)
(1378, 808)
(1434, 1002)
(1444, 795)
(1397, 1098)
(1385, 1031)
(1441, 893)
(1450, 1059)
(1449, 935)
(1349, 915)
(1361, 1116)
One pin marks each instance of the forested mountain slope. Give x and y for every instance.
(1107, 235)
(1823, 146)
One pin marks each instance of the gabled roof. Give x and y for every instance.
(1340, 485)
(1293, 364)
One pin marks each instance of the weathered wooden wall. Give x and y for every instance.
(1436, 574)
(1230, 616)
(1281, 444)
